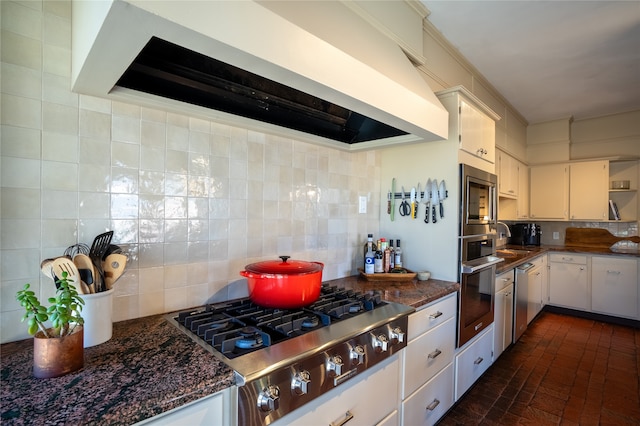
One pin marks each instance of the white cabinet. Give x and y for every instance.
(427, 368)
(569, 281)
(588, 190)
(508, 175)
(549, 192)
(503, 313)
(614, 286)
(369, 399)
(471, 126)
(431, 401)
(522, 206)
(473, 360)
(216, 409)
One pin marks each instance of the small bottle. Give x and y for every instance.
(386, 261)
(375, 247)
(369, 256)
(392, 255)
(398, 262)
(378, 266)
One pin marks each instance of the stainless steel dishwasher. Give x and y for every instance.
(521, 300)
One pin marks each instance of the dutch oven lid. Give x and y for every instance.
(284, 267)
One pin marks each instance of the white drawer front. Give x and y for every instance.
(433, 315)
(473, 361)
(568, 258)
(427, 355)
(431, 401)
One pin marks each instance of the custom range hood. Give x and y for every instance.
(315, 71)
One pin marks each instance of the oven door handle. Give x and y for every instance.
(470, 268)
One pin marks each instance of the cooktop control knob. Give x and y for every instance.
(300, 382)
(380, 343)
(396, 335)
(334, 365)
(269, 399)
(357, 355)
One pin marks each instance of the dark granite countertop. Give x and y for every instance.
(511, 262)
(148, 367)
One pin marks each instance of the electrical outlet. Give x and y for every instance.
(556, 235)
(362, 204)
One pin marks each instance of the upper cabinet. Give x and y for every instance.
(508, 175)
(549, 192)
(472, 126)
(588, 193)
(581, 190)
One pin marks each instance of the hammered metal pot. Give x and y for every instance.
(57, 356)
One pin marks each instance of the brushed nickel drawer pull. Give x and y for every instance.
(436, 315)
(478, 361)
(347, 416)
(434, 354)
(433, 405)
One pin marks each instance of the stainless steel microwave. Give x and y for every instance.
(479, 203)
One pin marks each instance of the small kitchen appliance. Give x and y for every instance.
(525, 234)
(286, 358)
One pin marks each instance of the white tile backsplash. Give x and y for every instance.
(190, 200)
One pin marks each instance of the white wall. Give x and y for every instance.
(191, 201)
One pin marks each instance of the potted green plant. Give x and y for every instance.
(59, 349)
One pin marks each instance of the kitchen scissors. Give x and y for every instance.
(405, 207)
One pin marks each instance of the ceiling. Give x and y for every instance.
(550, 59)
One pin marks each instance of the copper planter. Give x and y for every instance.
(57, 356)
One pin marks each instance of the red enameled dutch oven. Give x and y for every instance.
(284, 284)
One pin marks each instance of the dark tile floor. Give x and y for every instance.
(563, 371)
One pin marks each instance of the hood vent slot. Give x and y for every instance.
(168, 70)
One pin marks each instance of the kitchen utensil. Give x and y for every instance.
(113, 265)
(46, 266)
(434, 199)
(284, 284)
(427, 200)
(87, 272)
(405, 208)
(412, 197)
(442, 195)
(594, 237)
(98, 249)
(389, 202)
(64, 264)
(80, 248)
(415, 212)
(393, 199)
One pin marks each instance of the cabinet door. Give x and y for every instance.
(428, 354)
(431, 401)
(588, 190)
(473, 361)
(503, 322)
(568, 282)
(614, 286)
(477, 132)
(507, 175)
(549, 192)
(534, 296)
(522, 211)
(212, 410)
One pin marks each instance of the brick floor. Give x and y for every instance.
(563, 371)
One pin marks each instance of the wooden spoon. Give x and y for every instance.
(113, 265)
(86, 271)
(64, 264)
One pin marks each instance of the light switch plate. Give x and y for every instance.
(362, 204)
(556, 235)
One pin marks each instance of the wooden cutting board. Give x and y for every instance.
(593, 237)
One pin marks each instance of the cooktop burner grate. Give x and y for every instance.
(238, 327)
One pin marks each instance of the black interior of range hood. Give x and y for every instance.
(168, 70)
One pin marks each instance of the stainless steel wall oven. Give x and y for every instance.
(477, 249)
